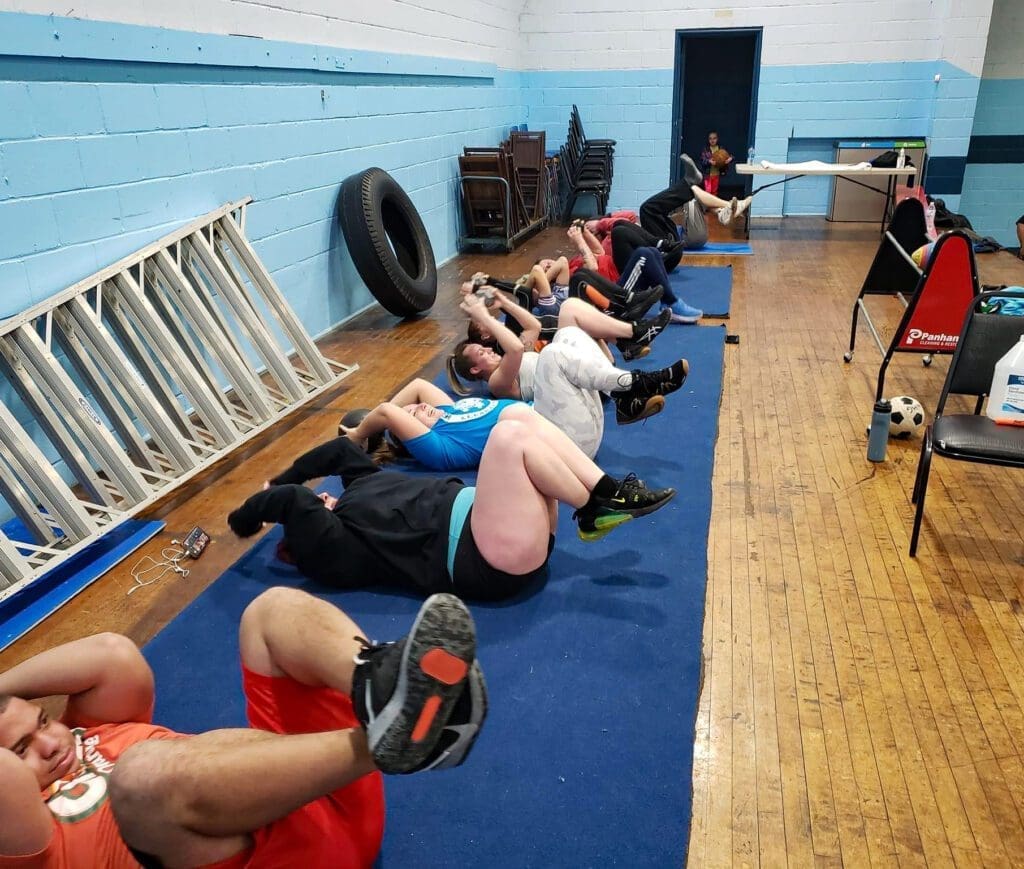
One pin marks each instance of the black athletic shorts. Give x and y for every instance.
(475, 579)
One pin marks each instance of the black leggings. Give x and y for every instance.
(627, 237)
(654, 213)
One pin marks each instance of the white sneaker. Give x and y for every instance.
(725, 213)
(743, 205)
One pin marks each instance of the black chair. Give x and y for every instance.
(985, 338)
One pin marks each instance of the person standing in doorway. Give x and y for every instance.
(714, 160)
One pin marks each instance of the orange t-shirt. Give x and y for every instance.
(85, 833)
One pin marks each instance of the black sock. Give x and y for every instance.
(605, 488)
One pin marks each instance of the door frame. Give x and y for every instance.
(679, 74)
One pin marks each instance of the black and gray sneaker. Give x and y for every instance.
(405, 693)
(639, 302)
(633, 407)
(631, 499)
(459, 734)
(663, 381)
(644, 333)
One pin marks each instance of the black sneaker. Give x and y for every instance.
(463, 725)
(639, 302)
(644, 333)
(664, 381)
(404, 693)
(631, 499)
(630, 407)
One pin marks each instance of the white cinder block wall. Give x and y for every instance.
(846, 69)
(485, 30)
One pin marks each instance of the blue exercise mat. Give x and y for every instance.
(721, 248)
(586, 757)
(706, 287)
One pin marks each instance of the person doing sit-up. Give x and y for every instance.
(632, 265)
(429, 533)
(328, 712)
(438, 431)
(633, 338)
(566, 378)
(655, 211)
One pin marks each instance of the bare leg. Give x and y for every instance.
(570, 457)
(576, 312)
(521, 476)
(420, 390)
(559, 271)
(708, 200)
(194, 800)
(1020, 240)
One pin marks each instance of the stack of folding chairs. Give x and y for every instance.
(585, 168)
(504, 190)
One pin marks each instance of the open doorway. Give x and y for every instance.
(716, 78)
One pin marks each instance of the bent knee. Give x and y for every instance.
(271, 600)
(142, 781)
(518, 413)
(510, 430)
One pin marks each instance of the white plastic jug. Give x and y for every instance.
(1006, 397)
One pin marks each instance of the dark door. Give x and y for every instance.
(716, 89)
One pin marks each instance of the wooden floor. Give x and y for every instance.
(859, 707)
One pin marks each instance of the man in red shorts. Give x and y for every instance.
(328, 712)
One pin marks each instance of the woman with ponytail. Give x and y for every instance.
(566, 378)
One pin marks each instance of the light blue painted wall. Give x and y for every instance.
(112, 136)
(993, 196)
(810, 194)
(881, 100)
(98, 158)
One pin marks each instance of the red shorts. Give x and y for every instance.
(341, 830)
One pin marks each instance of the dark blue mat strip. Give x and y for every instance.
(27, 608)
(586, 758)
(706, 287)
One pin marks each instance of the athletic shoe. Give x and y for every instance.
(644, 333)
(663, 381)
(631, 499)
(639, 302)
(644, 398)
(691, 174)
(463, 726)
(683, 313)
(727, 212)
(630, 407)
(743, 204)
(404, 693)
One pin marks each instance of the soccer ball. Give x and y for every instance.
(907, 417)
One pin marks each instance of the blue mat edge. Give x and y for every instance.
(55, 588)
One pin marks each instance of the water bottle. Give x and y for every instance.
(750, 155)
(902, 161)
(929, 222)
(878, 435)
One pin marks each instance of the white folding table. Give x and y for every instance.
(846, 171)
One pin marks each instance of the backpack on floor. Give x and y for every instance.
(695, 227)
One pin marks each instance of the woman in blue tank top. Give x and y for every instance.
(439, 432)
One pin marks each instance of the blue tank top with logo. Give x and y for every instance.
(457, 439)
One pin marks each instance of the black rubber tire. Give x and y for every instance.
(388, 242)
